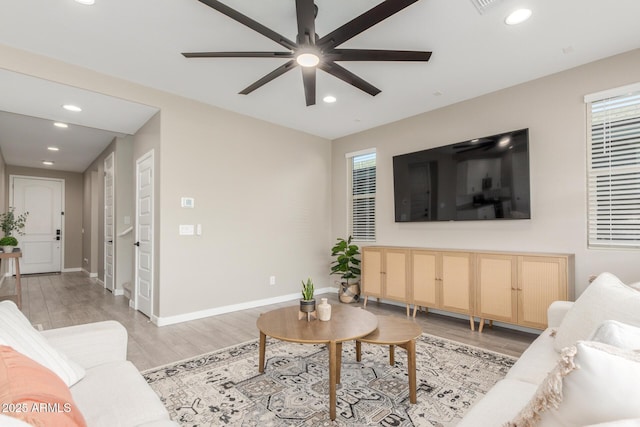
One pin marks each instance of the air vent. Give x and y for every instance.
(484, 5)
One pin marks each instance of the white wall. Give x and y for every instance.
(553, 110)
(262, 195)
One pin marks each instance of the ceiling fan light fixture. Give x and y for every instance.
(518, 16)
(308, 59)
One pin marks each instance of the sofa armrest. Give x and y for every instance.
(91, 344)
(556, 312)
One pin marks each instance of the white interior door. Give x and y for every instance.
(109, 247)
(144, 234)
(41, 244)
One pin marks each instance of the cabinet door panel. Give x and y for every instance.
(424, 274)
(542, 281)
(372, 272)
(456, 282)
(496, 287)
(395, 286)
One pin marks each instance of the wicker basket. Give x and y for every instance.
(349, 293)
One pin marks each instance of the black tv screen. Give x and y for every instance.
(480, 179)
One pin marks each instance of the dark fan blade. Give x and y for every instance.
(290, 65)
(238, 55)
(306, 22)
(376, 55)
(363, 22)
(347, 76)
(309, 80)
(245, 20)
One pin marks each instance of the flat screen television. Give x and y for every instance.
(480, 179)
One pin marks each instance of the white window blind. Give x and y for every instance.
(614, 172)
(363, 197)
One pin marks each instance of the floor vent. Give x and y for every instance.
(484, 5)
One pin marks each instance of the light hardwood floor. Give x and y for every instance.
(67, 299)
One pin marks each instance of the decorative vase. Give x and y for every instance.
(349, 292)
(324, 310)
(7, 249)
(307, 306)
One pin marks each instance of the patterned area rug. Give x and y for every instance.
(225, 388)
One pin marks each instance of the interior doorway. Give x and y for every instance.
(109, 222)
(143, 300)
(43, 242)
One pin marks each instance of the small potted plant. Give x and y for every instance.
(8, 243)
(348, 267)
(10, 222)
(307, 303)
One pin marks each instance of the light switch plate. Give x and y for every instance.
(187, 230)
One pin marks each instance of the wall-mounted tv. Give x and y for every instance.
(480, 179)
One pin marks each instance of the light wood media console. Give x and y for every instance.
(509, 287)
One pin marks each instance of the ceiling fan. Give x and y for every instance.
(311, 51)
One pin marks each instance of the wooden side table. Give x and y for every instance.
(396, 331)
(16, 255)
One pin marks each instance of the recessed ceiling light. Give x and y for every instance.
(308, 59)
(518, 16)
(47, 162)
(70, 107)
(329, 99)
(53, 149)
(87, 2)
(61, 125)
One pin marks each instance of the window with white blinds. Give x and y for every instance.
(363, 197)
(614, 171)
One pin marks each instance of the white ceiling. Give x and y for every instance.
(473, 53)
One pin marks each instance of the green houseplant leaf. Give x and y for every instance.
(10, 222)
(346, 265)
(307, 290)
(8, 241)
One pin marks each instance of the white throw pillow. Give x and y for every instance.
(617, 334)
(17, 332)
(606, 298)
(593, 383)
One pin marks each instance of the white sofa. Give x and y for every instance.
(90, 360)
(505, 401)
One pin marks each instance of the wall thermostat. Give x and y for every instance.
(187, 202)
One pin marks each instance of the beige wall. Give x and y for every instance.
(262, 195)
(73, 195)
(553, 110)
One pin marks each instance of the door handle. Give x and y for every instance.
(136, 244)
(109, 241)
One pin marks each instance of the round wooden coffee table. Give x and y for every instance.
(346, 324)
(396, 331)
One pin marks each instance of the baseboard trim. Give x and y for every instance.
(118, 292)
(71, 270)
(172, 320)
(91, 275)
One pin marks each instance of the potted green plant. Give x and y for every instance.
(8, 243)
(348, 267)
(307, 303)
(10, 222)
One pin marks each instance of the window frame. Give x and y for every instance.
(349, 157)
(614, 171)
